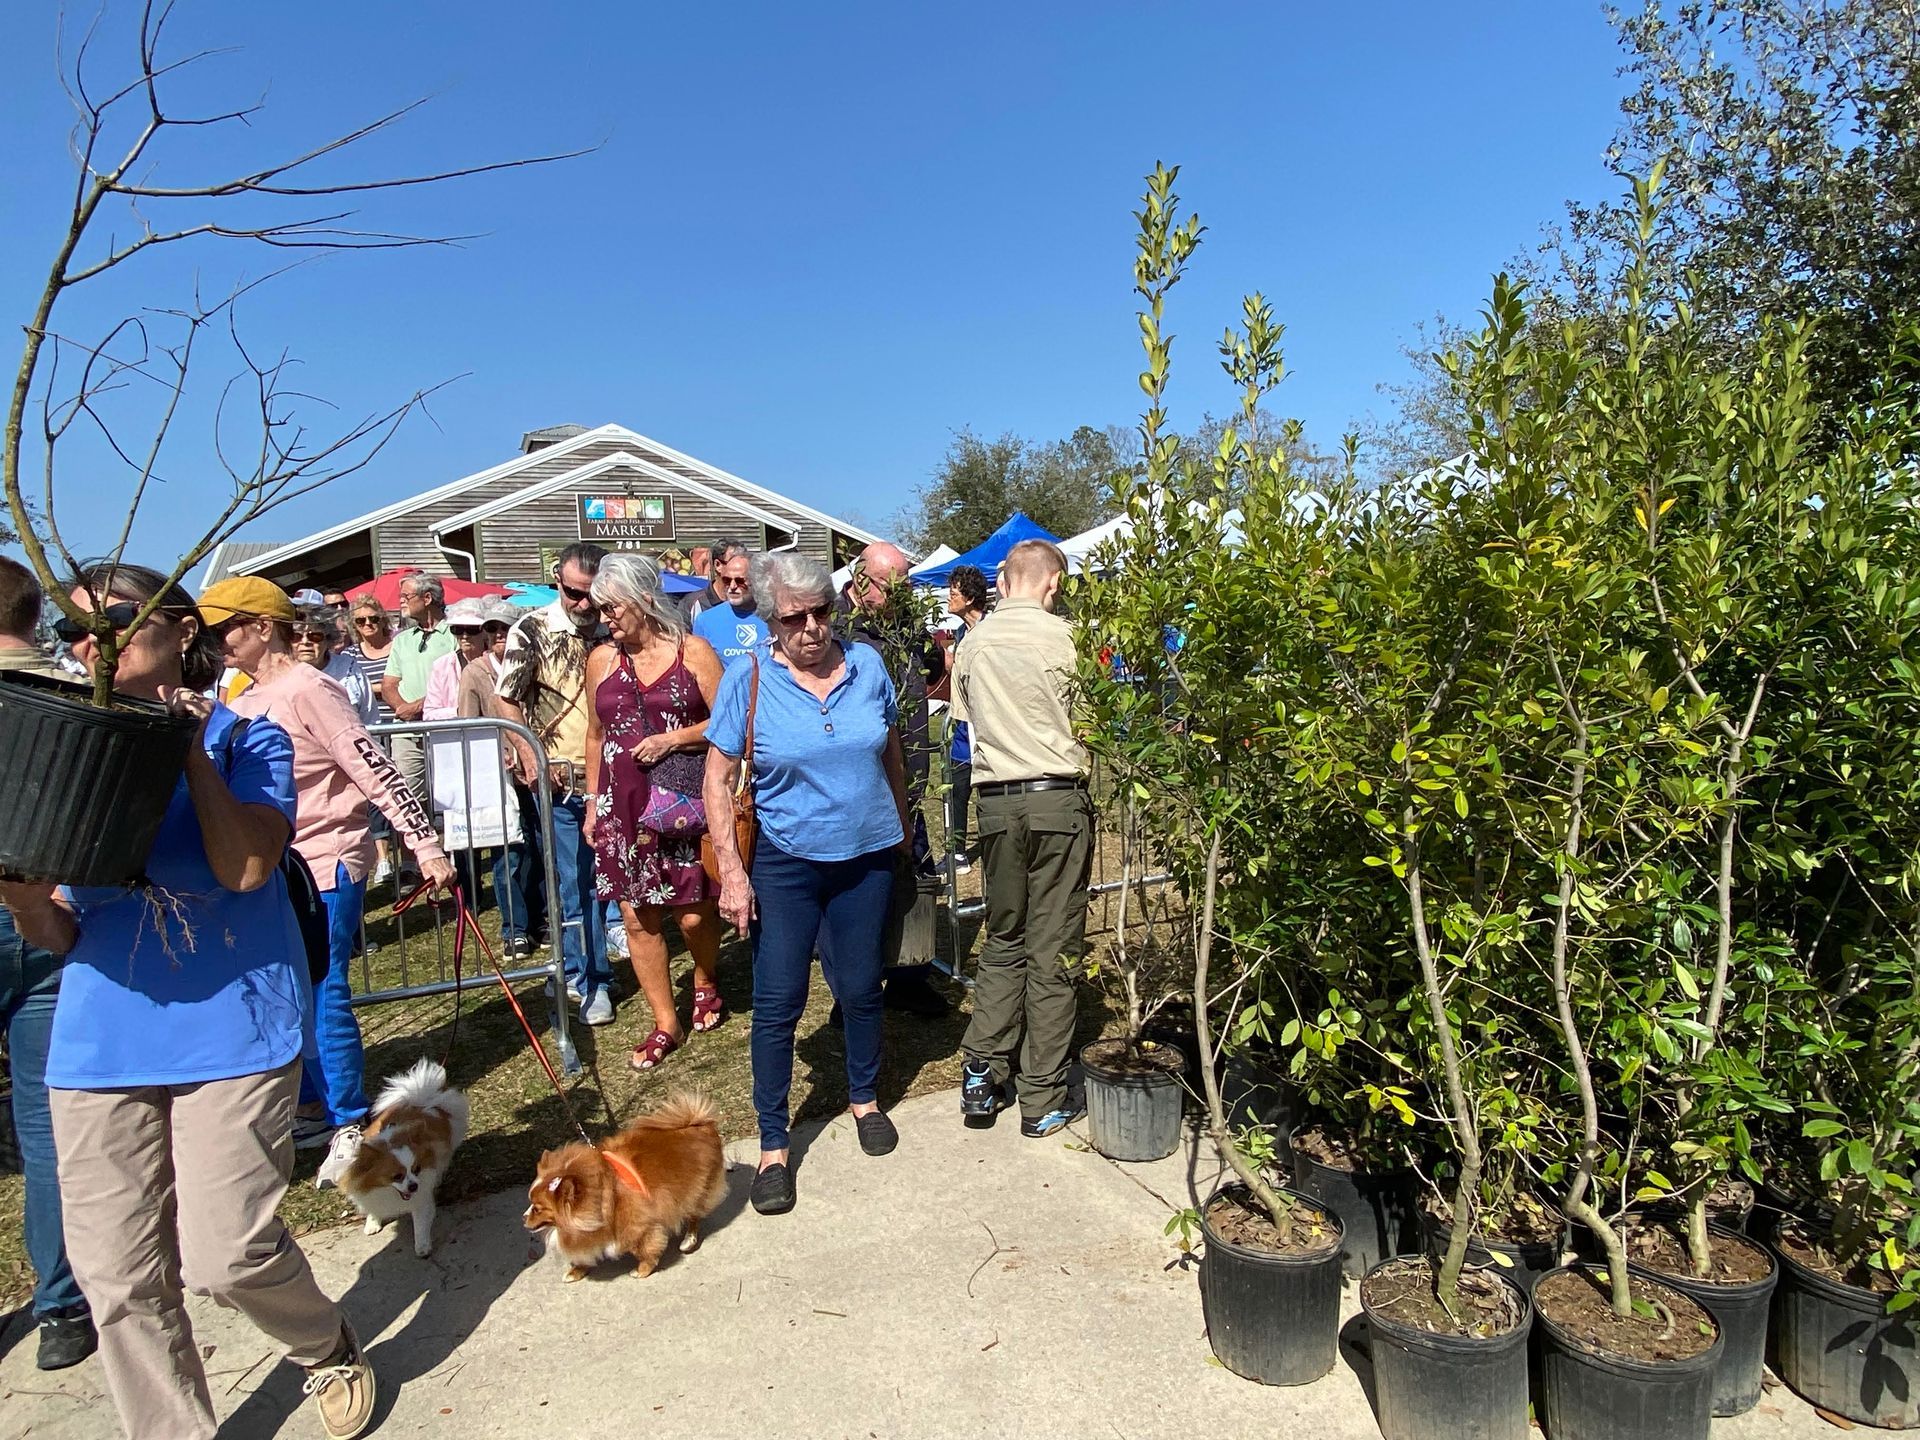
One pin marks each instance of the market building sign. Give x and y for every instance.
(626, 517)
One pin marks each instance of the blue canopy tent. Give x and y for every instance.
(987, 555)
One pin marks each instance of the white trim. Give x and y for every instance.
(714, 472)
(619, 460)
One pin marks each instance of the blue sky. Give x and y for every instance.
(815, 240)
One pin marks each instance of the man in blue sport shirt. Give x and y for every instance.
(733, 627)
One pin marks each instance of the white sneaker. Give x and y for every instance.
(617, 942)
(599, 1010)
(340, 1153)
(382, 873)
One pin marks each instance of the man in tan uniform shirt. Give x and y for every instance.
(1011, 680)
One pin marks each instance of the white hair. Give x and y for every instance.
(634, 581)
(784, 572)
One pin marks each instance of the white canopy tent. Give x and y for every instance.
(1080, 546)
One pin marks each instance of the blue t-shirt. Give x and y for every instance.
(733, 635)
(819, 784)
(207, 986)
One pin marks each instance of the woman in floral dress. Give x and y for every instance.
(646, 753)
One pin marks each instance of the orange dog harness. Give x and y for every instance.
(624, 1172)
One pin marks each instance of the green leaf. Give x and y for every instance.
(1821, 1129)
(1460, 803)
(1658, 700)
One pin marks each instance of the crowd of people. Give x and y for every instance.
(158, 1132)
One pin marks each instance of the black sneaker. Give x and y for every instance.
(772, 1192)
(66, 1340)
(980, 1098)
(1054, 1121)
(519, 947)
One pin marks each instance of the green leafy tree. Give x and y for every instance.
(1067, 486)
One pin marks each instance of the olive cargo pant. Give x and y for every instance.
(1037, 849)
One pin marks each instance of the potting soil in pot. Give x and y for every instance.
(1376, 1209)
(1134, 1098)
(1529, 1235)
(1306, 1231)
(1402, 1291)
(1837, 1346)
(1662, 1248)
(1271, 1292)
(1582, 1306)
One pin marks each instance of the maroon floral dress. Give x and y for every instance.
(634, 864)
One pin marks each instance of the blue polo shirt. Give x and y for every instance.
(732, 634)
(819, 784)
(210, 985)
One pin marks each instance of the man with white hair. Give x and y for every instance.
(1012, 676)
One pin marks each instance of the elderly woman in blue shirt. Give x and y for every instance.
(174, 1062)
(825, 760)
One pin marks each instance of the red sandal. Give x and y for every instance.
(651, 1051)
(707, 1010)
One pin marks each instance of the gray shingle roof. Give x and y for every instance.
(550, 435)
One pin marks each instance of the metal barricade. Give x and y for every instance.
(470, 824)
(1102, 881)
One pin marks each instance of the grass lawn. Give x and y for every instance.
(515, 1113)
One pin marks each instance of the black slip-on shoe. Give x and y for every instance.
(65, 1340)
(877, 1135)
(772, 1192)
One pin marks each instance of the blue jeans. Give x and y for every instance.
(843, 905)
(341, 1084)
(583, 944)
(519, 876)
(29, 986)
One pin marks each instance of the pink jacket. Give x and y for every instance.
(337, 769)
(443, 688)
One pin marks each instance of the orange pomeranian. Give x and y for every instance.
(665, 1172)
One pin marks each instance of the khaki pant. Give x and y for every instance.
(173, 1187)
(1037, 849)
(410, 758)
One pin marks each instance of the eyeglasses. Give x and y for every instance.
(119, 616)
(822, 612)
(574, 595)
(727, 582)
(312, 637)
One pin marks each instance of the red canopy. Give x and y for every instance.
(386, 589)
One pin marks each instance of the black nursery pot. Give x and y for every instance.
(1271, 1318)
(1131, 1115)
(1742, 1313)
(1839, 1349)
(1526, 1262)
(1462, 1387)
(83, 790)
(1584, 1395)
(1376, 1212)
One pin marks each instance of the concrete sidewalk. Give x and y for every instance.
(973, 1283)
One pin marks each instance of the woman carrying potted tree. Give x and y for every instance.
(174, 1062)
(337, 769)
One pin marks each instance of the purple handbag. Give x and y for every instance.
(675, 807)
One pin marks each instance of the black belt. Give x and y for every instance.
(1026, 787)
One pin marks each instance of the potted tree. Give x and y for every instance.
(90, 773)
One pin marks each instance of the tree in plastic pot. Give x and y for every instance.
(131, 380)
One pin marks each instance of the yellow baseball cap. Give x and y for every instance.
(245, 596)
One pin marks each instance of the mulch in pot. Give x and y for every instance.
(1150, 1057)
(1528, 1220)
(1336, 1153)
(1582, 1306)
(1402, 1290)
(1659, 1245)
(1795, 1239)
(1304, 1231)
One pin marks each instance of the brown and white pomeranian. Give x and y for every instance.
(418, 1122)
(665, 1172)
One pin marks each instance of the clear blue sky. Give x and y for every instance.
(816, 239)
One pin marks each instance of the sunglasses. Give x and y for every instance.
(312, 637)
(728, 583)
(463, 630)
(120, 616)
(823, 613)
(363, 621)
(574, 595)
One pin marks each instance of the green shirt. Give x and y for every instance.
(414, 652)
(29, 659)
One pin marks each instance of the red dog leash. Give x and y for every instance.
(465, 923)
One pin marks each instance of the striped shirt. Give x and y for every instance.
(374, 671)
